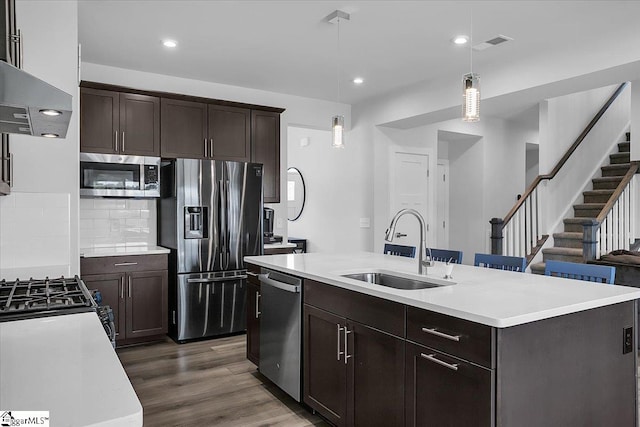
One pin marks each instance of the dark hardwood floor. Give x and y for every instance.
(207, 383)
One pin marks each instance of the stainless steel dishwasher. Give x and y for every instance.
(280, 304)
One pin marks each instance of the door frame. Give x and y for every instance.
(444, 163)
(420, 151)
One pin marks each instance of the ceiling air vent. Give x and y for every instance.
(494, 41)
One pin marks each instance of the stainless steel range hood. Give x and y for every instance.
(30, 106)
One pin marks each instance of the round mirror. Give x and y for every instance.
(295, 194)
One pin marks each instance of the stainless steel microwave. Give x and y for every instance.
(113, 175)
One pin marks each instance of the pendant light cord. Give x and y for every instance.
(338, 67)
(471, 43)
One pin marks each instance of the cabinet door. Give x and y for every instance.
(139, 125)
(183, 131)
(147, 312)
(112, 288)
(375, 377)
(253, 322)
(5, 166)
(442, 390)
(265, 142)
(325, 385)
(99, 121)
(230, 133)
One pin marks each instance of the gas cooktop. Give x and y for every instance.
(22, 299)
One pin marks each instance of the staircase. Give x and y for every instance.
(568, 244)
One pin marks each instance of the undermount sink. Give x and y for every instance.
(398, 282)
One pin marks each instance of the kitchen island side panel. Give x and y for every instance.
(569, 370)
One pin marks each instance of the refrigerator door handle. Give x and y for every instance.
(223, 223)
(216, 279)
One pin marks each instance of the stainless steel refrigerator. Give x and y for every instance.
(210, 217)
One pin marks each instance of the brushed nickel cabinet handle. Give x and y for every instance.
(434, 331)
(339, 353)
(116, 133)
(129, 286)
(205, 148)
(211, 147)
(122, 287)
(258, 313)
(123, 141)
(121, 264)
(10, 165)
(347, 356)
(432, 358)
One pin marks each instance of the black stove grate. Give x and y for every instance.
(29, 296)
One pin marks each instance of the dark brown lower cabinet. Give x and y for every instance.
(111, 286)
(442, 390)
(146, 305)
(353, 374)
(325, 371)
(137, 296)
(253, 321)
(375, 377)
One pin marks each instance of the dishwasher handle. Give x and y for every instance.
(264, 278)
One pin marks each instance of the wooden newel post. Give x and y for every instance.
(590, 239)
(496, 235)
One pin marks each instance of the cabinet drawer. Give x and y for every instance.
(457, 337)
(387, 316)
(123, 264)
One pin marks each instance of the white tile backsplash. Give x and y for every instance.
(117, 222)
(35, 237)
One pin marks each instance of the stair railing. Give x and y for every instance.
(520, 232)
(614, 228)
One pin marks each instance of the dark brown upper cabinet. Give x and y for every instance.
(230, 133)
(184, 129)
(205, 131)
(265, 142)
(119, 123)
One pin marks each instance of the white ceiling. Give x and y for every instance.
(285, 46)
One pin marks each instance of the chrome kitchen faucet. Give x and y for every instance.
(389, 234)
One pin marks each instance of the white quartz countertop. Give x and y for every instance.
(279, 245)
(122, 251)
(491, 297)
(65, 365)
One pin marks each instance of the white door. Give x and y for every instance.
(409, 188)
(442, 203)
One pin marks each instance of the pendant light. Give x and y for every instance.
(471, 88)
(337, 122)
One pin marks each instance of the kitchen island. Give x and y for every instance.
(492, 348)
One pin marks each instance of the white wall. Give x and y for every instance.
(336, 191)
(561, 121)
(304, 112)
(500, 160)
(466, 194)
(45, 171)
(635, 120)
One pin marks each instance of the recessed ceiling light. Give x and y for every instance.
(170, 43)
(51, 112)
(50, 135)
(460, 40)
(358, 80)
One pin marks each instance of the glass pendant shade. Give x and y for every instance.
(471, 97)
(337, 131)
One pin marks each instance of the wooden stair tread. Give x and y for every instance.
(589, 205)
(607, 178)
(576, 220)
(563, 251)
(568, 235)
(598, 192)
